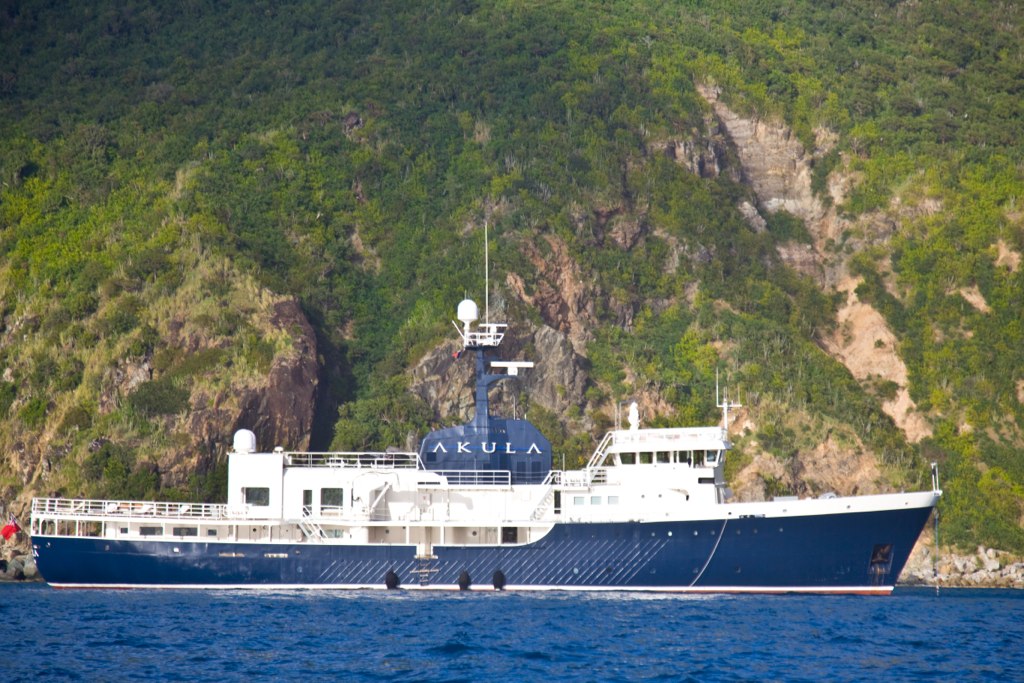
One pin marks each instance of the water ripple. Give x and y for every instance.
(400, 636)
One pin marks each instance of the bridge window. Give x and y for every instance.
(332, 498)
(256, 495)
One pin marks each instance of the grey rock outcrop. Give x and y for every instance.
(556, 383)
(986, 568)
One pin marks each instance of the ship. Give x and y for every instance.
(479, 506)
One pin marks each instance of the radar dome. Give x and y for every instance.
(468, 312)
(245, 441)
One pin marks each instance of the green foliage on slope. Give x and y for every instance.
(347, 152)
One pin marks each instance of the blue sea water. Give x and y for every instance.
(98, 635)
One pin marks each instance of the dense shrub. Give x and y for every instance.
(159, 397)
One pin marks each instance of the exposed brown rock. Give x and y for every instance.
(1007, 257)
(866, 345)
(564, 298)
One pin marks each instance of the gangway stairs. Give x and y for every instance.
(312, 530)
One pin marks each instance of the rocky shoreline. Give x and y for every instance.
(986, 568)
(19, 568)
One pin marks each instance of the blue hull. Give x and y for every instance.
(825, 553)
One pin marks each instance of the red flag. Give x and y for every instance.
(10, 529)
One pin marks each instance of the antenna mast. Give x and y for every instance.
(487, 279)
(724, 404)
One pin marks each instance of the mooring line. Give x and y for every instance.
(721, 533)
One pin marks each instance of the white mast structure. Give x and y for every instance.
(724, 404)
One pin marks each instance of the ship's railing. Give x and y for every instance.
(367, 460)
(681, 438)
(491, 335)
(587, 477)
(475, 477)
(78, 508)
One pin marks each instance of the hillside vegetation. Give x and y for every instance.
(171, 173)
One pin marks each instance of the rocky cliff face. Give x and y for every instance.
(556, 382)
(778, 168)
(278, 406)
(274, 397)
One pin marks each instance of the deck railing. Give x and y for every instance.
(680, 437)
(79, 508)
(353, 459)
(475, 477)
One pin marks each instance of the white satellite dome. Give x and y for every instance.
(245, 441)
(468, 312)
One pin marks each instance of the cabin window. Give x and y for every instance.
(151, 531)
(577, 500)
(184, 531)
(595, 500)
(662, 457)
(331, 498)
(711, 458)
(613, 500)
(645, 458)
(259, 495)
(628, 458)
(509, 534)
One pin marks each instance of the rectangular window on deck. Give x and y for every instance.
(613, 500)
(151, 531)
(184, 531)
(331, 498)
(577, 500)
(595, 500)
(256, 495)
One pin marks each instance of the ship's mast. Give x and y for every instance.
(724, 404)
(487, 278)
